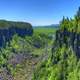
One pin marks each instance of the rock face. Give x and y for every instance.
(70, 39)
(8, 29)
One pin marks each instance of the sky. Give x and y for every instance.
(38, 12)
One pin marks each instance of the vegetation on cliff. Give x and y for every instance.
(21, 49)
(64, 61)
(72, 25)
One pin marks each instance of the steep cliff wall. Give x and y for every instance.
(69, 39)
(9, 28)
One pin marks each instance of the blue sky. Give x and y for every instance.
(38, 12)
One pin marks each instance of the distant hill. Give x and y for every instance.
(48, 26)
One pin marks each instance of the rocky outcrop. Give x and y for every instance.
(69, 39)
(20, 28)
